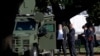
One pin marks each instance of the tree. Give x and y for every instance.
(9, 9)
(71, 8)
(94, 13)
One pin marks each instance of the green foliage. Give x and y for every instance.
(41, 5)
(94, 13)
(75, 6)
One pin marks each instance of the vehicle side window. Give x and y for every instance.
(50, 27)
(45, 29)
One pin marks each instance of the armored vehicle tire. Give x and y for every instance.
(35, 51)
(52, 53)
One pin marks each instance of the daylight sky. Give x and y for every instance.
(78, 21)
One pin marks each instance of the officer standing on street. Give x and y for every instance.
(65, 32)
(85, 35)
(71, 40)
(89, 40)
(61, 38)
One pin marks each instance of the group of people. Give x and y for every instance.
(88, 36)
(66, 35)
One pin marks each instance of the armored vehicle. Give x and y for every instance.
(33, 31)
(29, 35)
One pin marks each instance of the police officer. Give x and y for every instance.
(61, 39)
(71, 40)
(65, 32)
(85, 35)
(89, 40)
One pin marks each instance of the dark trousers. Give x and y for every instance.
(72, 48)
(89, 48)
(61, 44)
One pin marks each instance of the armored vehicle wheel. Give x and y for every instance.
(52, 53)
(35, 51)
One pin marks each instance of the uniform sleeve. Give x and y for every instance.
(65, 32)
(72, 33)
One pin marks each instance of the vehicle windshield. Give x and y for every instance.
(27, 25)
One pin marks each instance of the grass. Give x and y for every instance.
(96, 49)
(82, 50)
